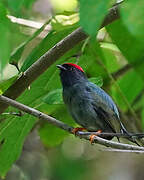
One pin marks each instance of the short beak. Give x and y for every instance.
(61, 67)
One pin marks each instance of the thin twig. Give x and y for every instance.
(41, 65)
(104, 134)
(66, 127)
(121, 150)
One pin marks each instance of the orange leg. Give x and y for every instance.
(75, 130)
(93, 135)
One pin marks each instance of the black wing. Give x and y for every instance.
(104, 107)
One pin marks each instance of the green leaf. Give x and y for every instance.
(92, 14)
(97, 80)
(17, 53)
(131, 13)
(112, 56)
(15, 4)
(131, 85)
(5, 84)
(48, 42)
(54, 97)
(130, 47)
(109, 46)
(19, 8)
(61, 22)
(12, 134)
(28, 3)
(4, 38)
(88, 61)
(66, 13)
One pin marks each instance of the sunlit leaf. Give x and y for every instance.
(62, 21)
(109, 46)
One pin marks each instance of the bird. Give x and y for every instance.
(89, 105)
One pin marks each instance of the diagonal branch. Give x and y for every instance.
(41, 65)
(66, 127)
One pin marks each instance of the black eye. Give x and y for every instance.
(71, 69)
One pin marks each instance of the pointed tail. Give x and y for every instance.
(124, 131)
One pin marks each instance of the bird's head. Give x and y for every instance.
(71, 73)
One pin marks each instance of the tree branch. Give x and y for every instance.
(65, 127)
(121, 150)
(41, 65)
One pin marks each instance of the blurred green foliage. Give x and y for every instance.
(16, 7)
(103, 58)
(4, 34)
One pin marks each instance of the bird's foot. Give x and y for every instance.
(75, 130)
(93, 136)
